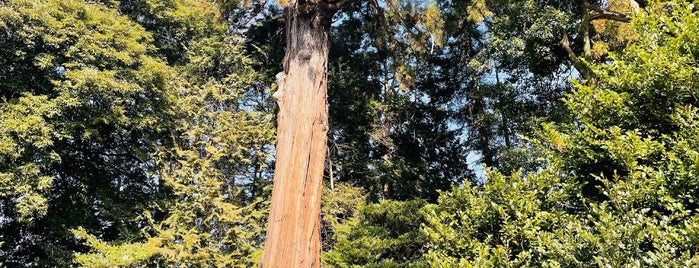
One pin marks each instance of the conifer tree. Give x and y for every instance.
(151, 161)
(617, 187)
(83, 100)
(215, 169)
(293, 236)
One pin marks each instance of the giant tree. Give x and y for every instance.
(293, 237)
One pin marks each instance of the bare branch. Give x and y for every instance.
(335, 5)
(606, 14)
(611, 16)
(578, 64)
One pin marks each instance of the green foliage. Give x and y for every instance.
(391, 100)
(507, 223)
(533, 46)
(341, 204)
(176, 24)
(25, 135)
(523, 73)
(385, 234)
(102, 140)
(212, 223)
(82, 96)
(210, 220)
(618, 186)
(112, 256)
(216, 214)
(531, 49)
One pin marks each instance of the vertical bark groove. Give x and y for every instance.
(293, 235)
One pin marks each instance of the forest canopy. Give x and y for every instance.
(478, 133)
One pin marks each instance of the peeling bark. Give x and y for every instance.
(293, 231)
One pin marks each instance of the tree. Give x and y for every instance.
(215, 168)
(293, 236)
(293, 230)
(530, 50)
(132, 125)
(83, 100)
(618, 185)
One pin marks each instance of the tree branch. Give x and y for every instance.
(334, 5)
(642, 3)
(606, 14)
(583, 69)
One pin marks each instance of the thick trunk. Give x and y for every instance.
(293, 234)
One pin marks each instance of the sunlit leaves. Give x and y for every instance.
(78, 84)
(385, 234)
(215, 153)
(478, 11)
(25, 140)
(113, 255)
(619, 185)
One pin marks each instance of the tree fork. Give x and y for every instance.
(293, 231)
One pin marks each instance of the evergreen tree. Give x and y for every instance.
(530, 51)
(617, 188)
(103, 140)
(84, 101)
(217, 166)
(303, 123)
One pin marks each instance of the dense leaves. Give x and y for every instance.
(84, 101)
(216, 166)
(384, 234)
(100, 133)
(618, 187)
(140, 133)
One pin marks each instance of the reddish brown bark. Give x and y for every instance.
(293, 231)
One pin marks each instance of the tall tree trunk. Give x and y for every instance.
(293, 231)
